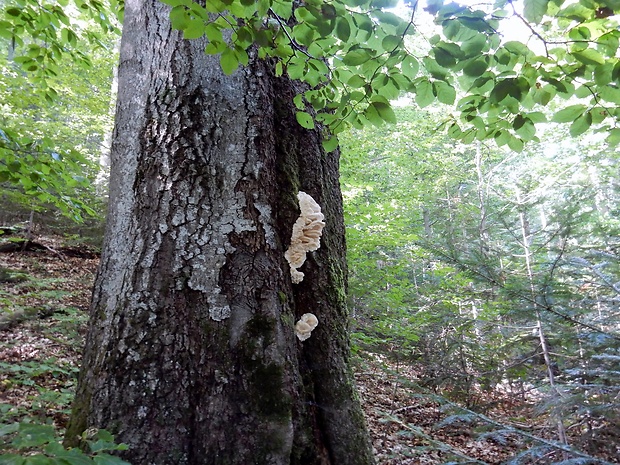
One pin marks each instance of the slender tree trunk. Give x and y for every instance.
(483, 232)
(191, 355)
(544, 346)
(101, 180)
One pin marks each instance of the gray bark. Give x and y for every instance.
(191, 356)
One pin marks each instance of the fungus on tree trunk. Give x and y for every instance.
(305, 325)
(306, 236)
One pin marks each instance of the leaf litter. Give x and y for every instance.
(42, 326)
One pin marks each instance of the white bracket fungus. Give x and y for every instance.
(305, 325)
(306, 235)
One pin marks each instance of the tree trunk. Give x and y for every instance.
(544, 346)
(191, 355)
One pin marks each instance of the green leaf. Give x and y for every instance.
(296, 67)
(179, 17)
(365, 27)
(343, 29)
(501, 137)
(194, 29)
(32, 435)
(515, 144)
(284, 9)
(15, 166)
(513, 87)
(13, 11)
(410, 66)
(74, 457)
(436, 71)
(474, 45)
(229, 61)
(279, 71)
(444, 58)
(8, 429)
(608, 43)
(107, 459)
(372, 115)
(614, 137)
(383, 3)
(589, 56)
(54, 448)
(517, 48)
(357, 56)
(445, 92)
(534, 10)
(38, 460)
(569, 114)
(388, 18)
(390, 42)
(603, 74)
(581, 124)
(305, 120)
(524, 127)
(11, 459)
(476, 67)
(330, 144)
(357, 81)
(579, 33)
(385, 111)
(424, 93)
(304, 34)
(537, 117)
(214, 6)
(610, 93)
(298, 100)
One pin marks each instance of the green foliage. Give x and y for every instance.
(17, 298)
(55, 86)
(37, 444)
(438, 277)
(41, 36)
(42, 173)
(357, 56)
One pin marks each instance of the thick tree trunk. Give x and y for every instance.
(191, 354)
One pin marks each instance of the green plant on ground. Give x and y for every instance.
(48, 385)
(37, 444)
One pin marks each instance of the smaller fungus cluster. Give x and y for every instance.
(305, 325)
(306, 236)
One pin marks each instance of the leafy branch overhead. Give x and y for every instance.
(59, 54)
(42, 34)
(356, 56)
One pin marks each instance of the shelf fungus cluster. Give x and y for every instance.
(306, 235)
(305, 325)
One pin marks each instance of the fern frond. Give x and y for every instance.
(578, 461)
(531, 453)
(499, 436)
(467, 418)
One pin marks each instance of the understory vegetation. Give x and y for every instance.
(493, 277)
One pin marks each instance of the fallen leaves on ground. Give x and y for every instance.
(40, 355)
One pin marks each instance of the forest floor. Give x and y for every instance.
(43, 312)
